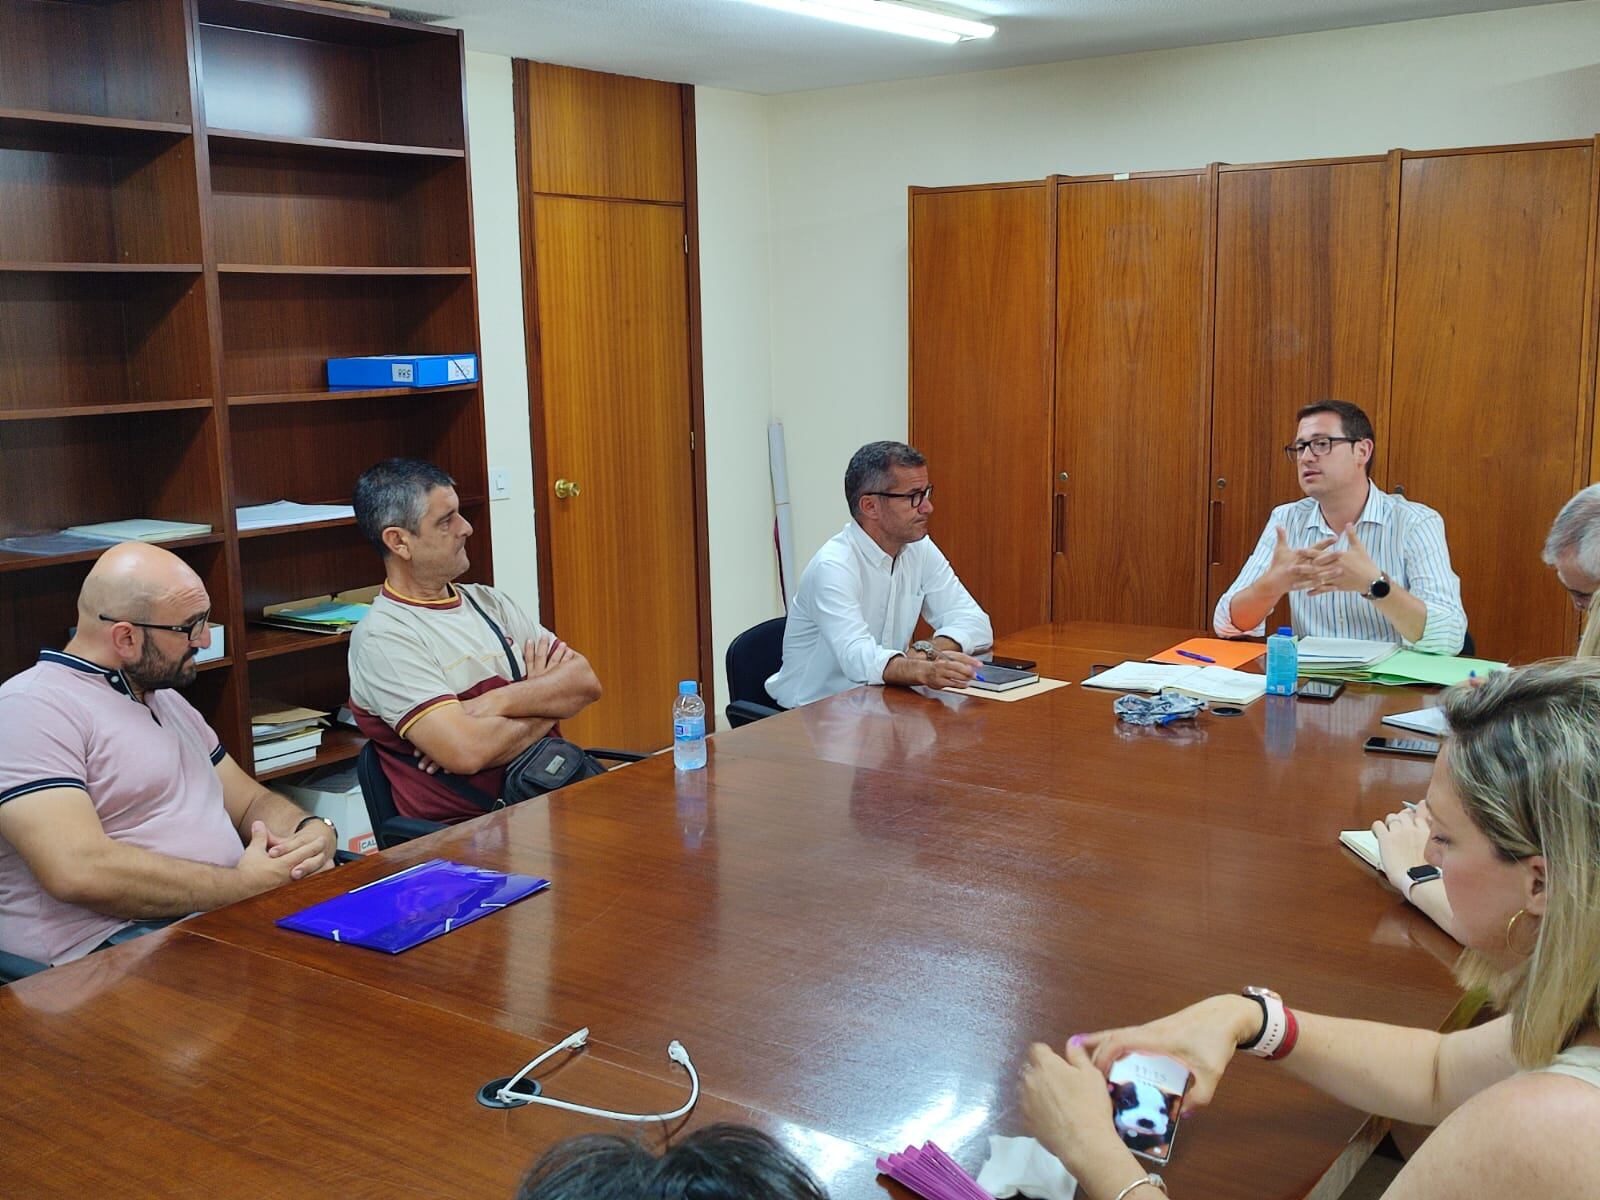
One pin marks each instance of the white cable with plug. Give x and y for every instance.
(576, 1041)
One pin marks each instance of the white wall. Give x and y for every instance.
(803, 221)
(493, 147)
(841, 161)
(736, 340)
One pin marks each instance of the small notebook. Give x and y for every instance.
(1424, 720)
(417, 905)
(1365, 845)
(1206, 683)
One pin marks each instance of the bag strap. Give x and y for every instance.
(456, 783)
(505, 642)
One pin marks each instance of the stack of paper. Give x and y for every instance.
(321, 614)
(1412, 666)
(932, 1173)
(140, 530)
(1206, 683)
(1321, 655)
(284, 734)
(1424, 720)
(287, 512)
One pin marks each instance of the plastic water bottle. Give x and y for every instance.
(689, 728)
(1283, 663)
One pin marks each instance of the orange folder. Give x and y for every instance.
(1223, 653)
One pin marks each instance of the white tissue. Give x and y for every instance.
(1020, 1166)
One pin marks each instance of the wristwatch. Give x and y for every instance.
(926, 648)
(1274, 1023)
(333, 829)
(1423, 874)
(1378, 589)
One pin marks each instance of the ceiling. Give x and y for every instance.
(743, 47)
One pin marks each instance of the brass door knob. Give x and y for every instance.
(566, 489)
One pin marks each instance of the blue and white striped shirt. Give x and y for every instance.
(1404, 538)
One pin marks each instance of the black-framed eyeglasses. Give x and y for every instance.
(1319, 446)
(194, 630)
(916, 497)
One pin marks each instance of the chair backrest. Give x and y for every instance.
(753, 658)
(375, 790)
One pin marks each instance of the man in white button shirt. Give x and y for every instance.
(859, 599)
(1354, 561)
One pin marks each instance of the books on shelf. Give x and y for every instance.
(139, 529)
(283, 734)
(1220, 684)
(287, 512)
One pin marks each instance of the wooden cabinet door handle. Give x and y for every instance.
(1212, 532)
(1058, 525)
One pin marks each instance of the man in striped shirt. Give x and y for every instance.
(1354, 561)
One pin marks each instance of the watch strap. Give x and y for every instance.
(1274, 1025)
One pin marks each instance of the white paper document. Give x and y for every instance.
(1207, 683)
(287, 512)
(1424, 720)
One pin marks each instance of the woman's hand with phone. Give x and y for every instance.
(1202, 1036)
(1067, 1108)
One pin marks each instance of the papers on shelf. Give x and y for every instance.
(1424, 720)
(51, 543)
(287, 512)
(1220, 684)
(283, 734)
(140, 529)
(1364, 843)
(321, 614)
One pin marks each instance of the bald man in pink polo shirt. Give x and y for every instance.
(117, 804)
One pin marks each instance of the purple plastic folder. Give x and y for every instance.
(932, 1173)
(413, 906)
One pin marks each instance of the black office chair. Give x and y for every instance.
(1469, 648)
(753, 658)
(389, 828)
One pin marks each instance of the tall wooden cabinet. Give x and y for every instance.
(1451, 294)
(201, 201)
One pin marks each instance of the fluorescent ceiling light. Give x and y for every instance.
(887, 17)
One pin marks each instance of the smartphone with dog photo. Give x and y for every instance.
(1147, 1092)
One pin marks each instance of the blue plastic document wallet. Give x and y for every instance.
(413, 906)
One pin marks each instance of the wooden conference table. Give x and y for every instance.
(855, 919)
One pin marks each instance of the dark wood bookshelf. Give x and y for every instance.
(203, 203)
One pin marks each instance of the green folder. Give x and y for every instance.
(1410, 666)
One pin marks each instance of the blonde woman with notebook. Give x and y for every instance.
(1514, 815)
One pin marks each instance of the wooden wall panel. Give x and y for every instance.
(595, 134)
(980, 388)
(1131, 392)
(1300, 317)
(1486, 415)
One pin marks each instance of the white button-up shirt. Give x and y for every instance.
(856, 608)
(1404, 538)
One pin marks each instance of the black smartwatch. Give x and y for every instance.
(1426, 873)
(1378, 589)
(324, 820)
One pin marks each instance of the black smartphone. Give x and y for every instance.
(1014, 664)
(1415, 747)
(1147, 1092)
(1319, 689)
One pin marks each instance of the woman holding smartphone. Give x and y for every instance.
(1514, 813)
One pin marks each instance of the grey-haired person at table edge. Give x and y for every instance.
(1390, 582)
(119, 809)
(860, 596)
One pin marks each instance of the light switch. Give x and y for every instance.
(499, 483)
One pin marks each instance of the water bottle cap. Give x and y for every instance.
(1285, 631)
(688, 687)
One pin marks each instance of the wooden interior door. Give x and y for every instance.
(980, 388)
(1131, 399)
(1486, 415)
(614, 378)
(1300, 317)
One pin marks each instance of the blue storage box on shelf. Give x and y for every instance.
(402, 370)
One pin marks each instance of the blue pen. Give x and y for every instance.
(1196, 657)
(980, 678)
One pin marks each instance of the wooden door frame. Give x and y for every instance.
(526, 201)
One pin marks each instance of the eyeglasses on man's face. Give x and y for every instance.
(194, 630)
(916, 497)
(1319, 446)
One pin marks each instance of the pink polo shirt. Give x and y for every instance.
(149, 768)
